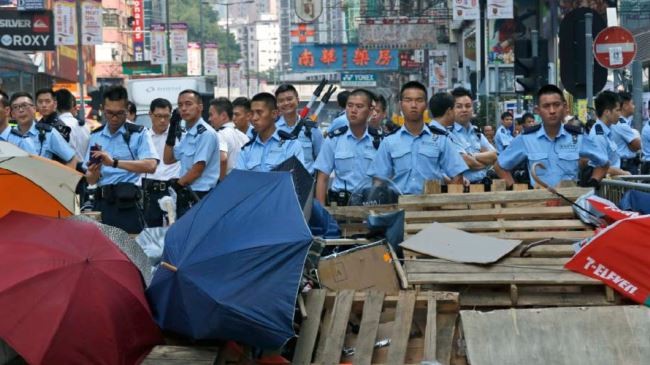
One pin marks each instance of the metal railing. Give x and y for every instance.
(613, 189)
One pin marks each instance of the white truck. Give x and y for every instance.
(143, 91)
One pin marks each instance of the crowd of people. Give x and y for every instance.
(129, 168)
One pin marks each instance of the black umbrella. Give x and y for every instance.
(302, 181)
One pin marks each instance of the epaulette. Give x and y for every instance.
(98, 129)
(599, 129)
(15, 132)
(532, 129)
(573, 129)
(476, 131)
(200, 129)
(338, 132)
(286, 135)
(504, 130)
(251, 141)
(133, 128)
(310, 123)
(43, 127)
(377, 136)
(436, 130)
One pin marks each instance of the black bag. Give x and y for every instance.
(126, 195)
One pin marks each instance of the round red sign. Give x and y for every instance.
(614, 47)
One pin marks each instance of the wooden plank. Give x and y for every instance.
(455, 189)
(431, 331)
(358, 212)
(324, 330)
(181, 355)
(447, 300)
(346, 242)
(402, 328)
(477, 297)
(368, 329)
(432, 187)
(309, 327)
(407, 201)
(540, 235)
(336, 334)
(557, 224)
(428, 216)
(568, 277)
(510, 264)
(445, 345)
(478, 188)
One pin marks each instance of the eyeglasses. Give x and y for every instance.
(162, 116)
(110, 115)
(22, 106)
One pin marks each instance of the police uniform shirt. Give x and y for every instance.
(472, 142)
(11, 135)
(250, 133)
(200, 144)
(140, 147)
(264, 156)
(645, 141)
(338, 122)
(622, 135)
(559, 156)
(502, 138)
(600, 148)
(349, 158)
(52, 144)
(164, 172)
(310, 146)
(411, 160)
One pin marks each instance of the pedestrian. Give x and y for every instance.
(627, 139)
(46, 105)
(118, 153)
(221, 115)
(242, 115)
(79, 132)
(599, 146)
(271, 145)
(503, 135)
(133, 113)
(197, 152)
(341, 119)
(348, 152)
(309, 136)
(551, 143)
(416, 152)
(645, 144)
(156, 185)
(7, 132)
(488, 132)
(480, 154)
(45, 140)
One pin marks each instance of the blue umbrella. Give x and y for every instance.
(232, 265)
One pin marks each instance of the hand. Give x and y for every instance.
(93, 173)
(176, 186)
(106, 159)
(174, 124)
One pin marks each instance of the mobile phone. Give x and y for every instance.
(94, 160)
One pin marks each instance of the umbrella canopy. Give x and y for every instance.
(232, 265)
(69, 296)
(302, 181)
(33, 184)
(618, 256)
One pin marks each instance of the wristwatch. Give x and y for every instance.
(115, 161)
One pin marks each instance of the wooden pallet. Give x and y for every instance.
(352, 219)
(421, 326)
(511, 282)
(181, 355)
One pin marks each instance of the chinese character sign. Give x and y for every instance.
(92, 22)
(211, 58)
(342, 57)
(193, 59)
(158, 44)
(178, 35)
(65, 23)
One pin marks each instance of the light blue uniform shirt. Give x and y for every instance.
(600, 148)
(559, 156)
(338, 122)
(264, 156)
(502, 138)
(472, 142)
(200, 144)
(310, 146)
(14, 137)
(140, 147)
(250, 132)
(411, 160)
(645, 141)
(53, 144)
(349, 158)
(622, 135)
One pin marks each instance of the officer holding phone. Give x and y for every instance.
(118, 153)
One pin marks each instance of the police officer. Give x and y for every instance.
(503, 136)
(416, 152)
(309, 136)
(198, 152)
(341, 119)
(520, 172)
(8, 133)
(472, 140)
(241, 115)
(44, 139)
(271, 146)
(156, 185)
(599, 146)
(118, 153)
(79, 131)
(46, 105)
(348, 152)
(555, 145)
(627, 139)
(221, 114)
(645, 143)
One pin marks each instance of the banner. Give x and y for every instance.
(466, 10)
(501, 41)
(29, 5)
(211, 59)
(65, 23)
(500, 9)
(400, 33)
(158, 44)
(193, 59)
(178, 35)
(438, 71)
(321, 57)
(26, 31)
(138, 27)
(92, 22)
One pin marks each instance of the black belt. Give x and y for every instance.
(155, 185)
(634, 160)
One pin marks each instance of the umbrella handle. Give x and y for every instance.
(168, 266)
(533, 172)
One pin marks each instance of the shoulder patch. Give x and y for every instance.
(375, 132)
(504, 130)
(98, 129)
(392, 132)
(43, 127)
(575, 130)
(338, 132)
(599, 129)
(532, 129)
(133, 128)
(200, 129)
(436, 130)
(15, 132)
(286, 135)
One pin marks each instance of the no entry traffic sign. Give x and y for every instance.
(614, 47)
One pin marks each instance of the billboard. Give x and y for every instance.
(324, 57)
(26, 31)
(400, 33)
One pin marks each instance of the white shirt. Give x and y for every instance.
(234, 139)
(79, 135)
(163, 172)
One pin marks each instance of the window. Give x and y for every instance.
(111, 20)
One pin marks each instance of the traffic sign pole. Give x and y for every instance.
(589, 60)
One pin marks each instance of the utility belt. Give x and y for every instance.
(645, 167)
(341, 198)
(628, 162)
(125, 195)
(155, 186)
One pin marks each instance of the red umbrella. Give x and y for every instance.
(618, 256)
(611, 212)
(68, 295)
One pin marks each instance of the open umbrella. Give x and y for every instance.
(618, 256)
(69, 296)
(232, 264)
(33, 184)
(302, 181)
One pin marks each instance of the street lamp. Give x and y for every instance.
(227, 5)
(202, 35)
